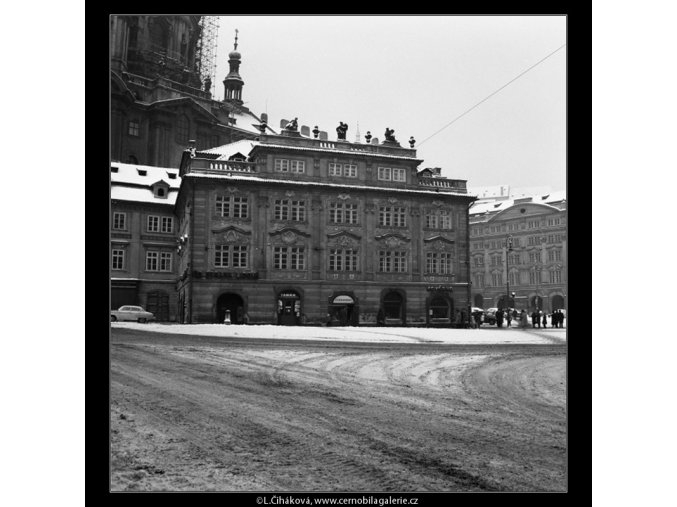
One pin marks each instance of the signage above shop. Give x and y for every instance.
(440, 287)
(343, 300)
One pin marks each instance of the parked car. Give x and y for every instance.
(133, 313)
(490, 316)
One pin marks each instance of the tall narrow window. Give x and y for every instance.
(240, 257)
(152, 261)
(240, 207)
(119, 221)
(167, 224)
(222, 206)
(221, 256)
(153, 223)
(133, 128)
(118, 259)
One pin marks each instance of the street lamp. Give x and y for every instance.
(508, 249)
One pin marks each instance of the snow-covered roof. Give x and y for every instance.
(228, 150)
(245, 122)
(137, 194)
(232, 177)
(134, 174)
(481, 207)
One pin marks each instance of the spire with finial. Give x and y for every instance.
(233, 82)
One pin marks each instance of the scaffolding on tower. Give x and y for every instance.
(206, 47)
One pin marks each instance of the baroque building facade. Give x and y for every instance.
(520, 246)
(294, 230)
(288, 228)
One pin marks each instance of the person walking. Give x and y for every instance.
(499, 318)
(523, 319)
(545, 320)
(533, 319)
(508, 317)
(478, 319)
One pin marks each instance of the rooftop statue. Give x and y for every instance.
(293, 125)
(341, 130)
(389, 135)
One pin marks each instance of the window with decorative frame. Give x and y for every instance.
(289, 257)
(287, 209)
(289, 166)
(232, 206)
(392, 216)
(343, 259)
(440, 263)
(392, 261)
(342, 213)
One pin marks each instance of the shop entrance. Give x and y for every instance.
(393, 308)
(440, 310)
(288, 308)
(343, 310)
(234, 304)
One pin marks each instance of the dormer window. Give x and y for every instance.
(113, 168)
(172, 176)
(142, 172)
(160, 189)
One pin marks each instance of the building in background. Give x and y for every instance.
(519, 245)
(162, 94)
(143, 238)
(291, 229)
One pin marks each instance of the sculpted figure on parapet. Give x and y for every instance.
(341, 130)
(293, 125)
(390, 135)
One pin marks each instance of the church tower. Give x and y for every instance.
(233, 83)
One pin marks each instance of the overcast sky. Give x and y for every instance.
(415, 74)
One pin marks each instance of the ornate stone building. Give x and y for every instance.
(285, 229)
(291, 229)
(520, 246)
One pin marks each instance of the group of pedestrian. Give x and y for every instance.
(557, 318)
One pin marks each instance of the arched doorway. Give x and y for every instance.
(343, 310)
(536, 303)
(157, 303)
(288, 308)
(233, 303)
(557, 302)
(393, 308)
(478, 300)
(440, 310)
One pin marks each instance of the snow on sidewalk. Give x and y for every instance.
(491, 335)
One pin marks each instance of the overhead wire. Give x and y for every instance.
(492, 94)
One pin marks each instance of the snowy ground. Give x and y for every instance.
(485, 335)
